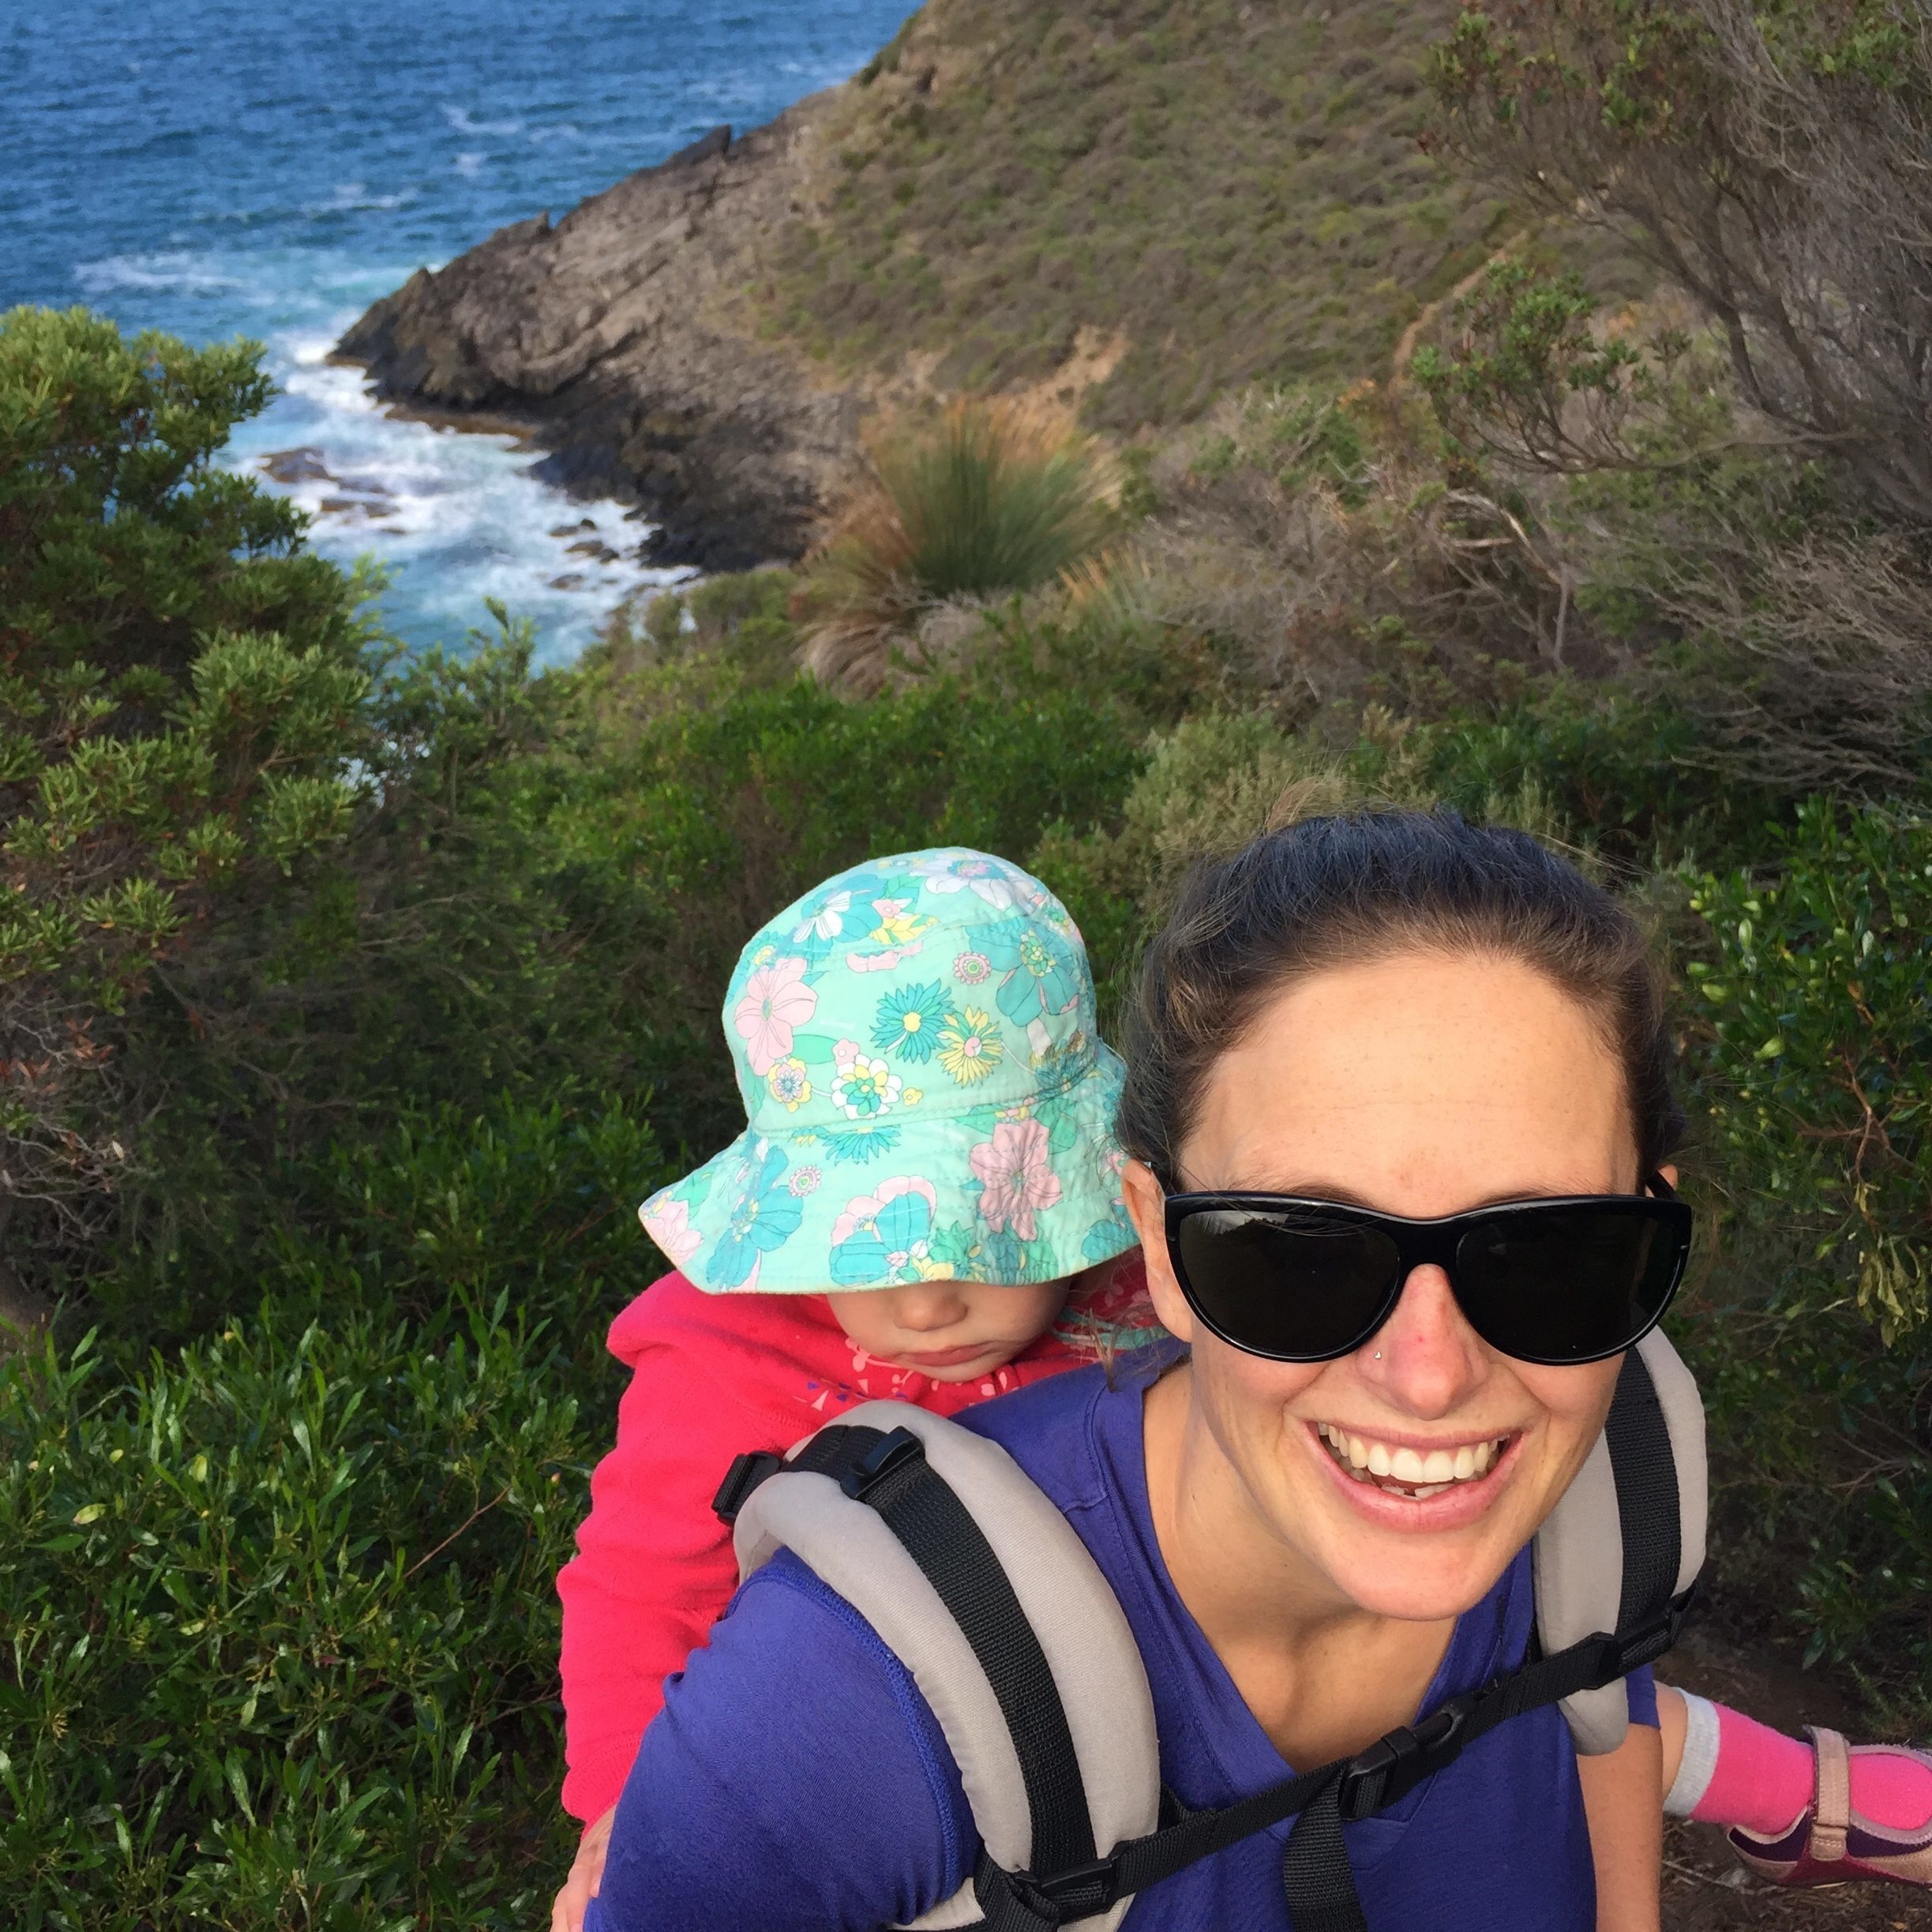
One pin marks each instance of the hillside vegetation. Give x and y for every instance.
(350, 1001)
(1228, 192)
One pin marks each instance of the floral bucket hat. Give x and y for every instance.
(926, 1095)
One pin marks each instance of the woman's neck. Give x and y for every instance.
(1323, 1676)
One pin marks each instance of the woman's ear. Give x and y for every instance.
(1669, 1171)
(1145, 1202)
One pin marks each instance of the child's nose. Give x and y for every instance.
(922, 1310)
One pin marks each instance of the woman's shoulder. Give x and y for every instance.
(771, 1796)
(1065, 1430)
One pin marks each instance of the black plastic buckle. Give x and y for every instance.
(1650, 1640)
(892, 1451)
(1063, 1898)
(746, 1473)
(1393, 1766)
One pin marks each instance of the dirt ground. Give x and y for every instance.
(1704, 1887)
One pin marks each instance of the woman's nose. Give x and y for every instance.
(1425, 1359)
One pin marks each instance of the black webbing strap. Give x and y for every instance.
(1645, 1471)
(1316, 1868)
(1067, 1882)
(890, 1474)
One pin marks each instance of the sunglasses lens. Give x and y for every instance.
(1571, 1284)
(1298, 1284)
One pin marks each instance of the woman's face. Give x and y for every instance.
(1423, 1084)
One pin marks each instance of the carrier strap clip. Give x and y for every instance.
(746, 1473)
(1396, 1763)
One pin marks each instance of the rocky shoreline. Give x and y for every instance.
(621, 340)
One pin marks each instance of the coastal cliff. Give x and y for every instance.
(1128, 213)
(619, 338)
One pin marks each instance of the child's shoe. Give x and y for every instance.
(1831, 1843)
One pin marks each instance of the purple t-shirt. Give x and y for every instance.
(797, 1781)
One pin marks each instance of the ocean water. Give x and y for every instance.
(224, 167)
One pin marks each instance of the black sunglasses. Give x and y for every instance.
(1572, 1279)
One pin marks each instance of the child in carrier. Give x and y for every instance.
(926, 1205)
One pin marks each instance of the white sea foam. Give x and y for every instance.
(174, 271)
(287, 227)
(351, 195)
(464, 123)
(456, 516)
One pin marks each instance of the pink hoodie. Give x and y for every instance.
(712, 1376)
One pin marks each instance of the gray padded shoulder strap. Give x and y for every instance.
(1579, 1554)
(1089, 1647)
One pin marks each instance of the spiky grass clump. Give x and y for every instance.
(999, 498)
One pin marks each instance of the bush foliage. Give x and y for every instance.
(181, 690)
(995, 499)
(352, 1001)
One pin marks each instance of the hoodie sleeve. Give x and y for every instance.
(654, 1566)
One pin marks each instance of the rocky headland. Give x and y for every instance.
(1129, 214)
(620, 338)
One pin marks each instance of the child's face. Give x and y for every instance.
(950, 1331)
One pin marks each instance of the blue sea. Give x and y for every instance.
(224, 167)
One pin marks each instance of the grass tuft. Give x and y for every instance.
(1002, 498)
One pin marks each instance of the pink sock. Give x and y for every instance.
(1761, 1780)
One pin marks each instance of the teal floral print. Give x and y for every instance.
(885, 1237)
(789, 1083)
(863, 1088)
(909, 1022)
(924, 1095)
(1044, 974)
(970, 1046)
(764, 1214)
(859, 1144)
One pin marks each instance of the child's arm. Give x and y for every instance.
(653, 1568)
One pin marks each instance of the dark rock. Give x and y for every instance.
(355, 509)
(713, 146)
(296, 466)
(619, 340)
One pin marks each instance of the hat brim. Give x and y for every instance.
(1008, 1194)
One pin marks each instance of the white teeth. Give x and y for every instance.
(1420, 1475)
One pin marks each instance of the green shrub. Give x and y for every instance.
(281, 1604)
(997, 499)
(181, 689)
(1819, 1072)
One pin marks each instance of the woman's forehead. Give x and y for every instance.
(1424, 1074)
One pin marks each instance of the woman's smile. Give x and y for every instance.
(1405, 1482)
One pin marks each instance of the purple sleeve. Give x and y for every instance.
(1641, 1688)
(794, 1781)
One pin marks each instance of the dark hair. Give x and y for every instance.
(1345, 891)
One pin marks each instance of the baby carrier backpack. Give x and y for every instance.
(986, 1594)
